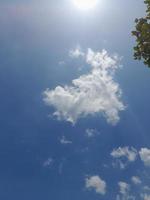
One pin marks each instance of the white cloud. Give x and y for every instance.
(48, 163)
(92, 93)
(96, 183)
(129, 153)
(63, 140)
(118, 163)
(145, 156)
(101, 60)
(123, 156)
(61, 63)
(136, 180)
(91, 132)
(76, 53)
(146, 188)
(145, 197)
(124, 190)
(124, 187)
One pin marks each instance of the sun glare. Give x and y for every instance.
(85, 4)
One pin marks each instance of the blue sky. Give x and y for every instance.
(97, 146)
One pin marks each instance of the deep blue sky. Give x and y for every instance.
(35, 37)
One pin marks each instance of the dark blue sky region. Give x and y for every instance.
(44, 44)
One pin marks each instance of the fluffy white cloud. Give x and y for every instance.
(95, 92)
(136, 180)
(96, 183)
(129, 153)
(145, 156)
(102, 60)
(123, 156)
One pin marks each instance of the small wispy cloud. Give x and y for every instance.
(76, 53)
(61, 63)
(91, 132)
(64, 141)
(48, 163)
(136, 180)
(146, 188)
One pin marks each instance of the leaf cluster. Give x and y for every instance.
(142, 34)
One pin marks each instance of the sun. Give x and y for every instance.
(85, 4)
